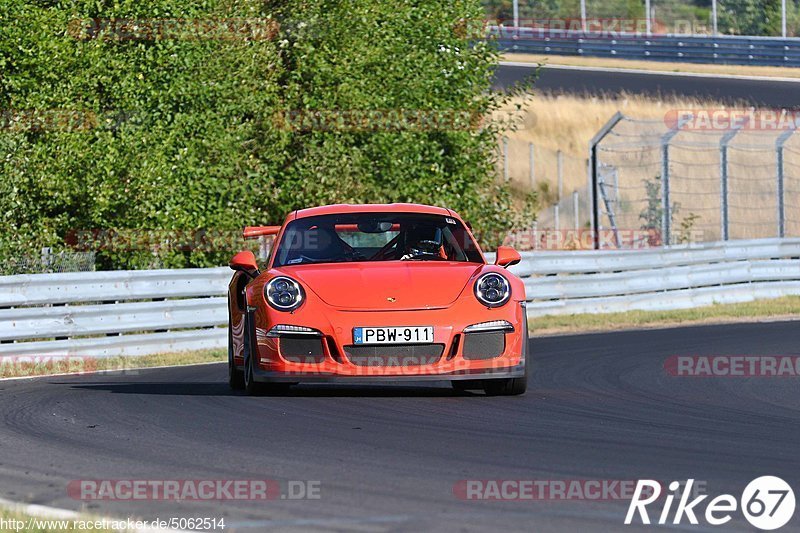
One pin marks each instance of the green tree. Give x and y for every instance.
(187, 136)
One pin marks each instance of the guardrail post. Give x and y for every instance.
(594, 170)
(666, 205)
(779, 143)
(723, 181)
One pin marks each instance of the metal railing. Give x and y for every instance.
(722, 49)
(677, 277)
(99, 314)
(102, 314)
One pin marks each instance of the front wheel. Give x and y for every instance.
(235, 376)
(505, 387)
(509, 386)
(251, 386)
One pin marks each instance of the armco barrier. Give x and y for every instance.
(657, 279)
(103, 314)
(141, 312)
(722, 49)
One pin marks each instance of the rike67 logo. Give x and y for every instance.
(767, 503)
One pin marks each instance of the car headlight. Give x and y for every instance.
(284, 294)
(492, 290)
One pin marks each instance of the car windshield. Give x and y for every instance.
(376, 237)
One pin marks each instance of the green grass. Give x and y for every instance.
(787, 307)
(44, 366)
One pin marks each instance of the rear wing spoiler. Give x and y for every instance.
(252, 232)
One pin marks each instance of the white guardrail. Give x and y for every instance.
(140, 312)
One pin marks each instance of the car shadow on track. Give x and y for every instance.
(222, 389)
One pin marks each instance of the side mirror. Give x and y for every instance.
(245, 262)
(507, 256)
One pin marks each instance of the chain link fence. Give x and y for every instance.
(694, 182)
(49, 262)
(763, 18)
(552, 174)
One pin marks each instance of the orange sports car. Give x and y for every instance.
(397, 292)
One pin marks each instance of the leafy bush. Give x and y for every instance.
(188, 132)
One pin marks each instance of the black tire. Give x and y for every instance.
(509, 386)
(506, 387)
(251, 386)
(463, 385)
(235, 376)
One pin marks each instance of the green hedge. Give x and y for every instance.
(188, 133)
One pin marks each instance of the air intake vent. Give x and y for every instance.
(486, 345)
(301, 349)
(394, 354)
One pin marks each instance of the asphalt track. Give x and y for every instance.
(758, 92)
(599, 407)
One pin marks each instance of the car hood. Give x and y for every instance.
(386, 285)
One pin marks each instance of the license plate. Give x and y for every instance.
(400, 335)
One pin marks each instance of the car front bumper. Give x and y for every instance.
(336, 364)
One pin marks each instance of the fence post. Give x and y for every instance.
(783, 18)
(723, 181)
(505, 159)
(666, 206)
(263, 248)
(555, 218)
(560, 169)
(46, 257)
(780, 174)
(583, 15)
(575, 208)
(532, 166)
(594, 169)
(714, 18)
